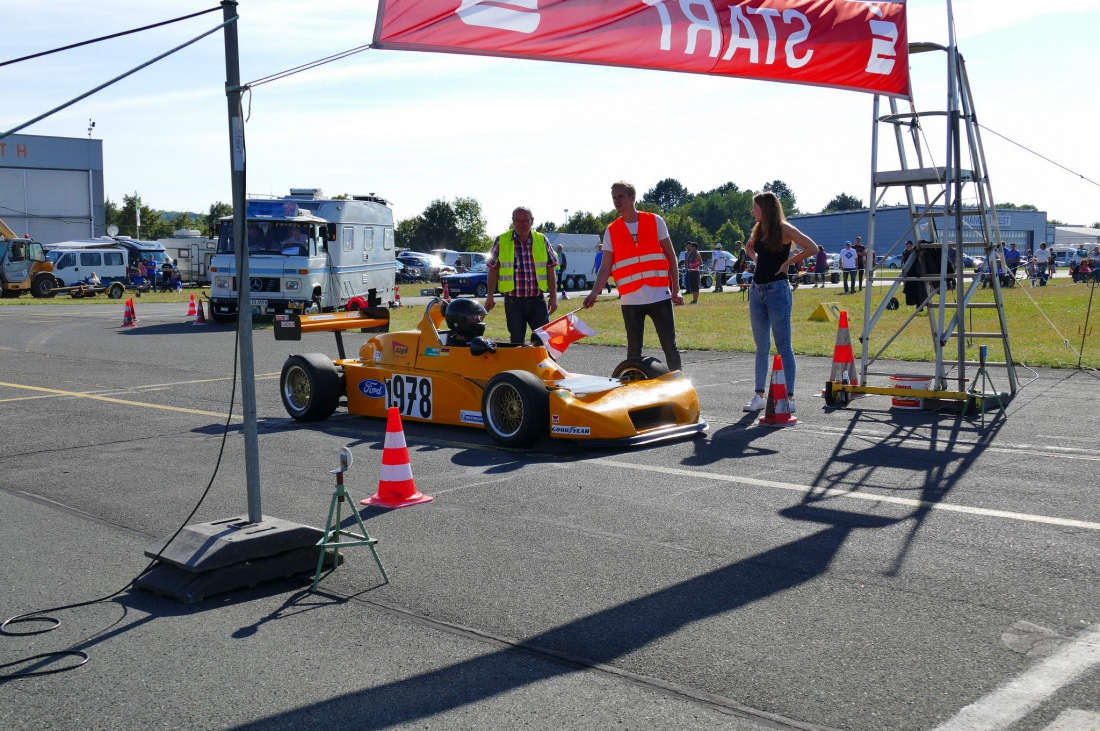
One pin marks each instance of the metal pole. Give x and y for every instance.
(244, 299)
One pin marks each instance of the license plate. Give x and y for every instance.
(259, 303)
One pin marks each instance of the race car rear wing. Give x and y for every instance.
(290, 326)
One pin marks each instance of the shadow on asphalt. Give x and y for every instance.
(600, 638)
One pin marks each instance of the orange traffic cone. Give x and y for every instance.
(200, 316)
(133, 310)
(191, 307)
(777, 412)
(396, 488)
(844, 361)
(446, 292)
(397, 295)
(128, 316)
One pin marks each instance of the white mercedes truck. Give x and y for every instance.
(307, 253)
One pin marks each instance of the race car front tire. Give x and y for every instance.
(515, 408)
(639, 369)
(310, 386)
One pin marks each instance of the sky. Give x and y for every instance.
(414, 127)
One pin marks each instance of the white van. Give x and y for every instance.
(72, 264)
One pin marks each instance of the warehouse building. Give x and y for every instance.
(893, 224)
(51, 188)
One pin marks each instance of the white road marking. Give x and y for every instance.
(1024, 693)
(1075, 719)
(871, 497)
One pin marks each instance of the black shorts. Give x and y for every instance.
(692, 282)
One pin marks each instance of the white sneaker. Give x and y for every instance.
(756, 404)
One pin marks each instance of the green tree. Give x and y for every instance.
(404, 233)
(152, 226)
(786, 196)
(471, 225)
(1014, 207)
(1096, 224)
(729, 233)
(683, 228)
(667, 195)
(725, 203)
(843, 202)
(210, 220)
(583, 222)
(183, 220)
(111, 213)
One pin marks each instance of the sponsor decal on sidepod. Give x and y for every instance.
(372, 388)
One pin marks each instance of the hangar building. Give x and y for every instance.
(51, 188)
(892, 224)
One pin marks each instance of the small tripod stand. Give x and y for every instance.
(977, 393)
(333, 532)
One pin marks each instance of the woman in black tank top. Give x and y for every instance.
(770, 301)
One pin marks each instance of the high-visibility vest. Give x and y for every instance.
(640, 262)
(506, 257)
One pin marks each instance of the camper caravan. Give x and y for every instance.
(191, 254)
(306, 253)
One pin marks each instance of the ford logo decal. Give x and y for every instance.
(372, 389)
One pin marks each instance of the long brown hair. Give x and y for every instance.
(768, 232)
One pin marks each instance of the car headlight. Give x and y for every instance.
(221, 282)
(292, 285)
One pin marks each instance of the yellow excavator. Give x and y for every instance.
(23, 266)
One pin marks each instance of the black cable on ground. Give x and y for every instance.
(40, 614)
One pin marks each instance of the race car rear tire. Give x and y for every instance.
(310, 386)
(515, 408)
(639, 369)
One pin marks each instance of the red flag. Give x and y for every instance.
(861, 46)
(563, 332)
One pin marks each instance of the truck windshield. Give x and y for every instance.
(271, 237)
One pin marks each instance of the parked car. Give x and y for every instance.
(430, 266)
(891, 262)
(973, 262)
(475, 282)
(406, 273)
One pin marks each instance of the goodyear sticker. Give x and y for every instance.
(574, 430)
(372, 388)
(471, 417)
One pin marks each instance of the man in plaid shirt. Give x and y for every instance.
(521, 268)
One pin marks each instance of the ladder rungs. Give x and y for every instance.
(918, 176)
(971, 334)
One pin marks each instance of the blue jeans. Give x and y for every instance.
(770, 314)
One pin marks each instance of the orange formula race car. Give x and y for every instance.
(516, 392)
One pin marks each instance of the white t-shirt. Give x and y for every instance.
(720, 260)
(848, 259)
(1042, 256)
(646, 294)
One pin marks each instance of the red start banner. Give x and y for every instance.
(848, 44)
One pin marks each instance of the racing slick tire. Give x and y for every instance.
(115, 291)
(639, 369)
(515, 408)
(482, 290)
(310, 386)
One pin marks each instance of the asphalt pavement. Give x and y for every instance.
(870, 568)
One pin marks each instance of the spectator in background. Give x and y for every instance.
(142, 278)
(561, 271)
(861, 259)
(596, 265)
(693, 265)
(1043, 263)
(848, 263)
(1012, 258)
(151, 269)
(720, 264)
(821, 267)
